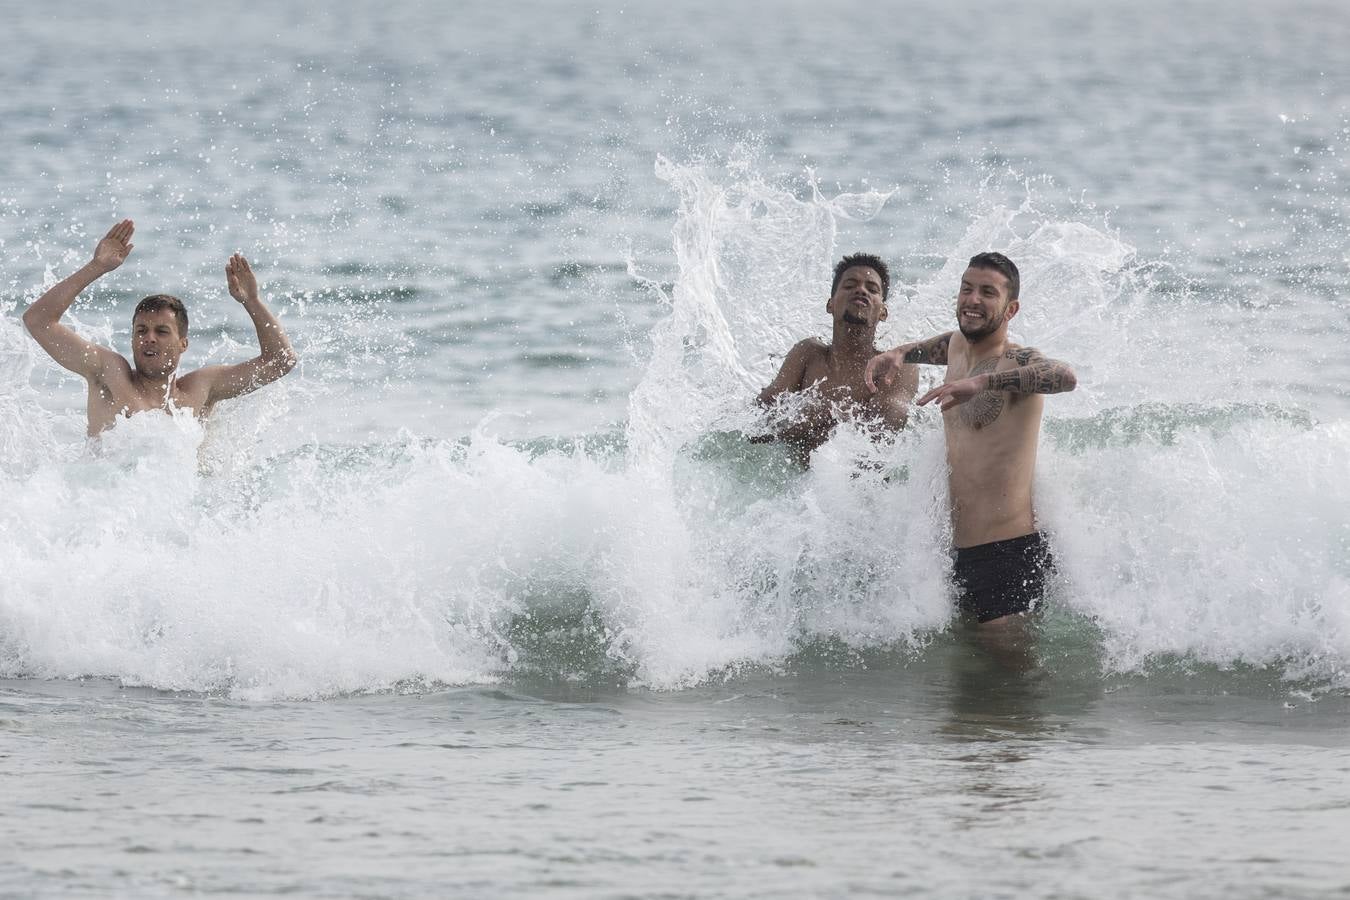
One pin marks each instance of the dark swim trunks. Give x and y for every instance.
(1002, 578)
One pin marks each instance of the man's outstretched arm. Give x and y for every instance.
(1034, 374)
(276, 356)
(884, 368)
(43, 318)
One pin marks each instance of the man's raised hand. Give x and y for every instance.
(115, 246)
(239, 275)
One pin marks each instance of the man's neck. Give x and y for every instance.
(851, 342)
(990, 345)
(148, 384)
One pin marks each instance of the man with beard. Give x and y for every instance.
(991, 403)
(831, 375)
(159, 336)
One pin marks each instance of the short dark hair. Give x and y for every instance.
(999, 263)
(156, 302)
(863, 259)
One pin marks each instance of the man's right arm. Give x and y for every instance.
(788, 381)
(43, 318)
(883, 368)
(789, 377)
(932, 352)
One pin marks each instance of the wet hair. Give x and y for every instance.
(863, 259)
(999, 263)
(156, 302)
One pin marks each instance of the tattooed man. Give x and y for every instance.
(991, 404)
(831, 375)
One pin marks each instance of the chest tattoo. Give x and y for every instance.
(984, 407)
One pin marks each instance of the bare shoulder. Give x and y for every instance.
(806, 352)
(809, 346)
(204, 377)
(799, 360)
(196, 376)
(112, 366)
(200, 387)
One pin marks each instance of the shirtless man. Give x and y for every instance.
(158, 338)
(833, 372)
(991, 403)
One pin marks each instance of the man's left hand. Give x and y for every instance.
(243, 283)
(954, 393)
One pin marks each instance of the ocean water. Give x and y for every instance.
(492, 597)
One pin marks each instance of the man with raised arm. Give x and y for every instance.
(991, 403)
(159, 335)
(833, 372)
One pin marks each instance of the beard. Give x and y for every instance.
(853, 318)
(990, 325)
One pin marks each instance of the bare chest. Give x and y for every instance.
(987, 409)
(839, 384)
(123, 396)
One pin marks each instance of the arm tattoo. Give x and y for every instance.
(932, 351)
(1035, 374)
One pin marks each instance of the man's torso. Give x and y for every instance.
(839, 383)
(991, 451)
(117, 392)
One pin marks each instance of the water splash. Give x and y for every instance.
(224, 560)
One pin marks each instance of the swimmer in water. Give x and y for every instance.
(833, 373)
(159, 336)
(991, 403)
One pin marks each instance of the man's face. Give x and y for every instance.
(859, 299)
(156, 345)
(983, 304)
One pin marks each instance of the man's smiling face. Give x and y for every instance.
(983, 303)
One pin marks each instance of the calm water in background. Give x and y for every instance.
(490, 598)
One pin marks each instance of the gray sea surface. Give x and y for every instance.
(492, 597)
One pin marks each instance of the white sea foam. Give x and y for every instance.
(1225, 546)
(1185, 524)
